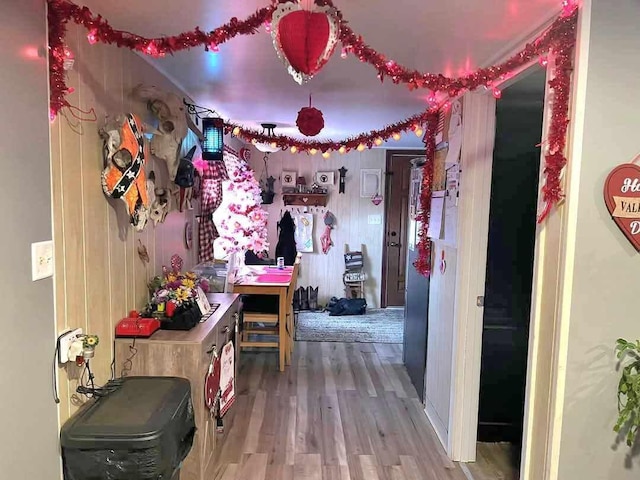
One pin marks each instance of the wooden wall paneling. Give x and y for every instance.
(351, 213)
(129, 238)
(59, 246)
(99, 276)
(73, 228)
(95, 215)
(118, 223)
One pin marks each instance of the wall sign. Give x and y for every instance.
(622, 197)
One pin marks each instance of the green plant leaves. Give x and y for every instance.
(628, 389)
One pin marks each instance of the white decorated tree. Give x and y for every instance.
(240, 219)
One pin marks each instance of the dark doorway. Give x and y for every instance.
(510, 252)
(394, 250)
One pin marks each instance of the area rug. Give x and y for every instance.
(384, 325)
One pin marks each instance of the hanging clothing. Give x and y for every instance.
(213, 175)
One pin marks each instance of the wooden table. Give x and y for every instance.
(269, 280)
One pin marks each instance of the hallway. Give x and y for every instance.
(344, 411)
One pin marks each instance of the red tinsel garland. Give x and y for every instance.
(555, 159)
(367, 139)
(423, 262)
(559, 39)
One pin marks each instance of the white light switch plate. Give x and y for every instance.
(41, 260)
(374, 220)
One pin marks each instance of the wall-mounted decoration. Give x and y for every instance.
(173, 123)
(188, 235)
(289, 178)
(325, 239)
(370, 182)
(143, 253)
(123, 176)
(377, 199)
(622, 197)
(325, 178)
(343, 173)
(304, 231)
(245, 154)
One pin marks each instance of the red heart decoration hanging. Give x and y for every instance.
(622, 197)
(304, 39)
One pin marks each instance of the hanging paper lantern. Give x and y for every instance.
(304, 39)
(310, 121)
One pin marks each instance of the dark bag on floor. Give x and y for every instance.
(347, 306)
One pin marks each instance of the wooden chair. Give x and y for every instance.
(260, 324)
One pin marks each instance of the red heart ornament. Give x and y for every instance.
(304, 39)
(622, 197)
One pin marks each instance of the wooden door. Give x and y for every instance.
(394, 252)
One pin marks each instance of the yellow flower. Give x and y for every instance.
(191, 275)
(188, 283)
(182, 294)
(171, 277)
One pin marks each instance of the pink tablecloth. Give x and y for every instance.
(282, 277)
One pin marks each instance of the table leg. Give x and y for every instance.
(282, 327)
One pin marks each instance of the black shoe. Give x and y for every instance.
(304, 299)
(296, 300)
(313, 298)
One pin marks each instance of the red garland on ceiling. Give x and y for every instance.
(359, 142)
(423, 262)
(559, 40)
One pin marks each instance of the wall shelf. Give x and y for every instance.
(306, 199)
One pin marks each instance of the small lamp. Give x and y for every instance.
(213, 144)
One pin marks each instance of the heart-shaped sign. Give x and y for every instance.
(622, 197)
(304, 39)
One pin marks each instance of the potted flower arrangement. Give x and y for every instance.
(173, 299)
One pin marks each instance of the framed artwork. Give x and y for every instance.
(370, 182)
(325, 178)
(289, 178)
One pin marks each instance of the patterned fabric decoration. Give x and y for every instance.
(211, 198)
(353, 260)
(122, 181)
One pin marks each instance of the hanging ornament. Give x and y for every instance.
(341, 184)
(310, 121)
(304, 39)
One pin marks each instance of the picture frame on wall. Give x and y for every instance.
(370, 182)
(289, 178)
(325, 178)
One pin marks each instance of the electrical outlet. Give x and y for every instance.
(41, 260)
(64, 343)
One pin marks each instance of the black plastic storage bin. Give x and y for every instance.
(141, 431)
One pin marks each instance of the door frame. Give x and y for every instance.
(542, 418)
(410, 153)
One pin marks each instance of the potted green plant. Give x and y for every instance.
(628, 389)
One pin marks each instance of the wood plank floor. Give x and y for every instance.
(341, 411)
(494, 461)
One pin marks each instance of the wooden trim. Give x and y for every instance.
(472, 237)
(387, 185)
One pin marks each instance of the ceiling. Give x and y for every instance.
(248, 84)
